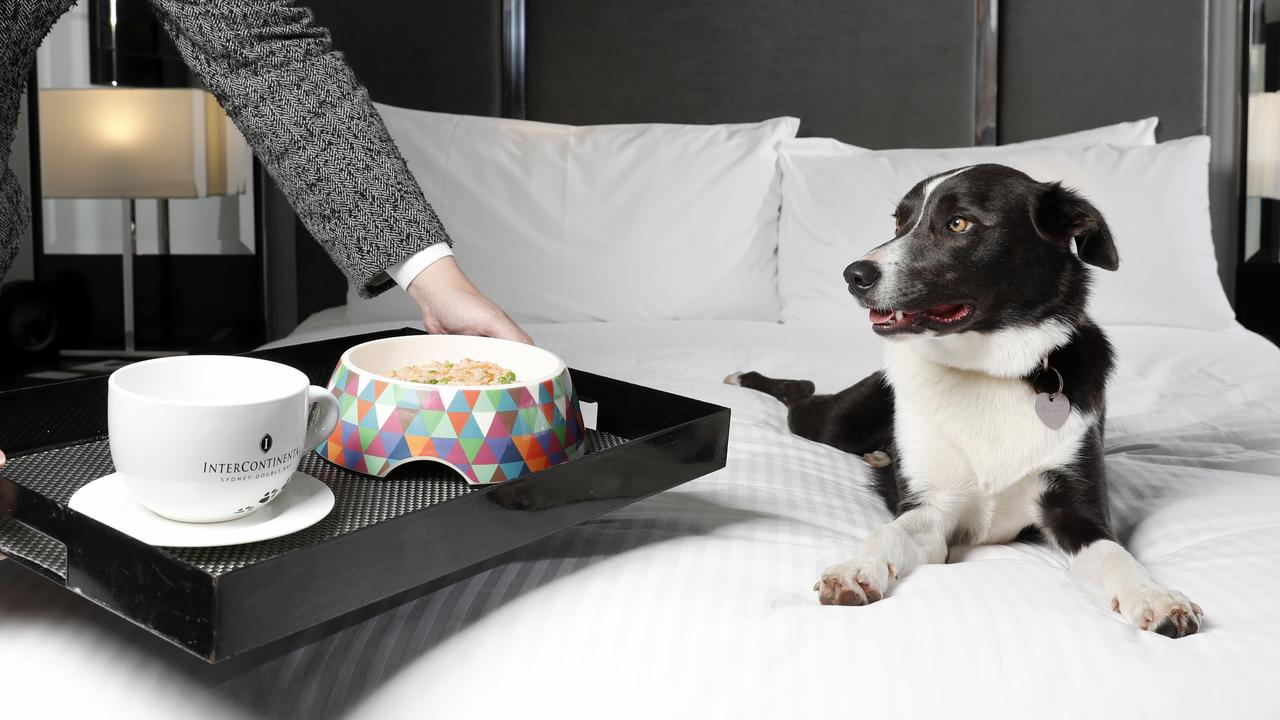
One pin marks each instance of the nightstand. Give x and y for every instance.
(1258, 294)
(1258, 278)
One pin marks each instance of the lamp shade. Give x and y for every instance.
(138, 143)
(1263, 168)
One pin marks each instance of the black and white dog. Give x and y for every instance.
(986, 423)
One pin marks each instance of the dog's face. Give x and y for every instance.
(981, 248)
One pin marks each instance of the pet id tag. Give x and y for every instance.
(1053, 408)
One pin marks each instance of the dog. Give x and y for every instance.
(986, 423)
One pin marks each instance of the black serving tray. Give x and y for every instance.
(386, 541)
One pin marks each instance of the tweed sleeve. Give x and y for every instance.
(22, 27)
(15, 213)
(311, 123)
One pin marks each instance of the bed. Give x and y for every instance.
(697, 602)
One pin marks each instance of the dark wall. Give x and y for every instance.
(849, 70)
(1067, 66)
(443, 52)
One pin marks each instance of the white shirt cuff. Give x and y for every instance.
(404, 272)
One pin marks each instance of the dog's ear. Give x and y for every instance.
(1060, 214)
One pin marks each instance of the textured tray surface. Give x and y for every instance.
(360, 501)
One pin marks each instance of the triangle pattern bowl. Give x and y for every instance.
(488, 433)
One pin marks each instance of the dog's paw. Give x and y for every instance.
(1164, 611)
(857, 582)
(733, 379)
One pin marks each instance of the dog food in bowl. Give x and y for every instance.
(463, 372)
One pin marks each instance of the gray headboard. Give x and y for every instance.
(877, 73)
(847, 69)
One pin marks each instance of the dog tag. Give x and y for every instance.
(1053, 409)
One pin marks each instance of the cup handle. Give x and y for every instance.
(326, 419)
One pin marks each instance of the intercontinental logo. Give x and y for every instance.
(251, 466)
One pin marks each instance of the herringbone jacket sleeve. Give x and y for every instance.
(22, 26)
(312, 125)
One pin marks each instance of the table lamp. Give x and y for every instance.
(138, 143)
(1262, 169)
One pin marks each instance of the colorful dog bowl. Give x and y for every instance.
(489, 433)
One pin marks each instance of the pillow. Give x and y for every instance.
(1135, 132)
(557, 223)
(837, 206)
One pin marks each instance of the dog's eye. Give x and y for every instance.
(958, 224)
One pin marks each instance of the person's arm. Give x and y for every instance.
(312, 125)
(25, 25)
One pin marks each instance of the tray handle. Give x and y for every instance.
(26, 520)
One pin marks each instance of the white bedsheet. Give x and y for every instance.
(697, 602)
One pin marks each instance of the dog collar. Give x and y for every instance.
(1052, 408)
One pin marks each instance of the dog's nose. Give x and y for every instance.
(862, 274)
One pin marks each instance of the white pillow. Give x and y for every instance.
(558, 223)
(1134, 132)
(837, 205)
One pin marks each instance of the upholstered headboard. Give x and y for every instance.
(877, 73)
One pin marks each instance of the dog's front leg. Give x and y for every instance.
(1123, 580)
(1074, 511)
(917, 537)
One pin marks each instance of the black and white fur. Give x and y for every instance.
(984, 281)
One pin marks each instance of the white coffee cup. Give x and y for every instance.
(207, 438)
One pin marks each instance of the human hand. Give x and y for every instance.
(450, 304)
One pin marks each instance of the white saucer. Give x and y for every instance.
(304, 502)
